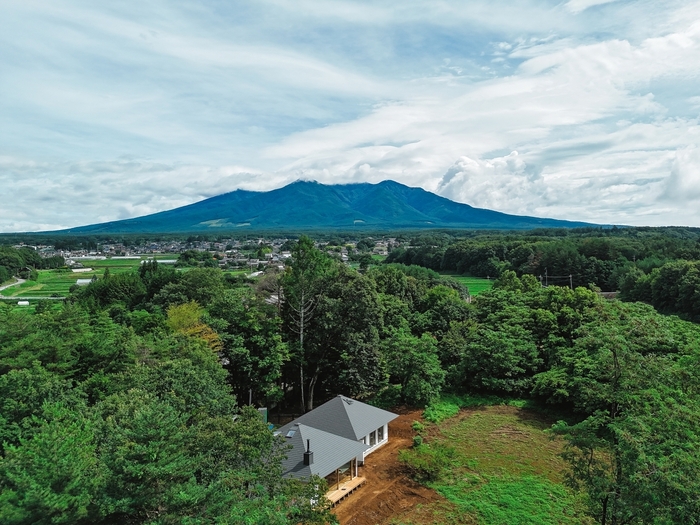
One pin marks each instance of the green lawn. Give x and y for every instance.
(476, 285)
(506, 470)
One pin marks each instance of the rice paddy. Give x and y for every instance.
(57, 283)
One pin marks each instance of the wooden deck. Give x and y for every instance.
(345, 489)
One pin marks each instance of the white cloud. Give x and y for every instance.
(576, 6)
(556, 110)
(114, 110)
(497, 183)
(72, 194)
(683, 186)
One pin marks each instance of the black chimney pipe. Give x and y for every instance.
(308, 455)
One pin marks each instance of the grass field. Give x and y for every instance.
(506, 470)
(52, 283)
(476, 285)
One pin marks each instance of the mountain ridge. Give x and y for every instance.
(310, 205)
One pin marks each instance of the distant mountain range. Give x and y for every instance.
(304, 205)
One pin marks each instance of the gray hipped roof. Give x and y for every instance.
(347, 417)
(330, 451)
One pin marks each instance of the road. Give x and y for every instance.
(19, 281)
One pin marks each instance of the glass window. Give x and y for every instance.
(372, 438)
(380, 433)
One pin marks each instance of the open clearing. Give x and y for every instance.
(506, 471)
(476, 285)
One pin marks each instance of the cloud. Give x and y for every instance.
(578, 115)
(114, 110)
(496, 183)
(576, 6)
(72, 194)
(683, 186)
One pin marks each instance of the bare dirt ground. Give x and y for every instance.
(388, 492)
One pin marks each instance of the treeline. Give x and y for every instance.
(627, 260)
(19, 262)
(671, 288)
(140, 375)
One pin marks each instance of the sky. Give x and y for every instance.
(582, 109)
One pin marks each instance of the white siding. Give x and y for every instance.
(372, 438)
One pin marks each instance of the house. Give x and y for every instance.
(334, 439)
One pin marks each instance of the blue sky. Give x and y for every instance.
(580, 109)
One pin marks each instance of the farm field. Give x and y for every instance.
(505, 470)
(476, 285)
(57, 283)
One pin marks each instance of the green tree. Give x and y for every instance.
(199, 284)
(342, 353)
(54, 476)
(253, 349)
(144, 444)
(22, 394)
(302, 285)
(637, 460)
(414, 364)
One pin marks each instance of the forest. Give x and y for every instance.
(654, 265)
(129, 402)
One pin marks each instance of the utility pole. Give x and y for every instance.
(571, 281)
(546, 280)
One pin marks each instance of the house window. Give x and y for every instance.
(372, 438)
(380, 434)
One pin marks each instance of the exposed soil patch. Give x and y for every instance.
(388, 492)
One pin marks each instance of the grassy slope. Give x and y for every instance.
(507, 471)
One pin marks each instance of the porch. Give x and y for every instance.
(344, 489)
(343, 481)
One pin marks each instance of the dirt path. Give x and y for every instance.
(388, 492)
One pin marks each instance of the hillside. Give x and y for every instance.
(306, 205)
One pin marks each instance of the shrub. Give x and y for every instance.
(417, 441)
(427, 462)
(440, 410)
(417, 426)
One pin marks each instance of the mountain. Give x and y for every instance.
(305, 205)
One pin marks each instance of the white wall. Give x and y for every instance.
(377, 444)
